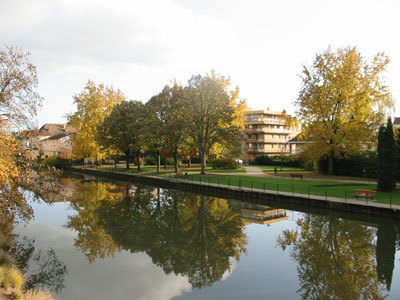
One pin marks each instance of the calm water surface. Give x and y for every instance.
(124, 241)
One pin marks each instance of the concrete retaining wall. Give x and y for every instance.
(282, 201)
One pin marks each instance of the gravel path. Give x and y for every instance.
(254, 171)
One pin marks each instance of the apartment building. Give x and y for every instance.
(267, 132)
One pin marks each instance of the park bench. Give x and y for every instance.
(295, 175)
(365, 193)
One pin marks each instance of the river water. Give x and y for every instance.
(113, 240)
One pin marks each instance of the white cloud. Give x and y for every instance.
(150, 33)
(139, 46)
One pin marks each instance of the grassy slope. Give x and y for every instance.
(299, 186)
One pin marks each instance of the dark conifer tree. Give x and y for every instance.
(386, 158)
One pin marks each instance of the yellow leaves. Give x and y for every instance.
(342, 102)
(8, 169)
(239, 106)
(94, 103)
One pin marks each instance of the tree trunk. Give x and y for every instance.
(330, 163)
(158, 161)
(189, 162)
(203, 162)
(127, 159)
(176, 162)
(138, 160)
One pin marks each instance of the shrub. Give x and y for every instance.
(57, 162)
(224, 163)
(151, 161)
(11, 277)
(168, 161)
(363, 165)
(264, 160)
(285, 161)
(291, 161)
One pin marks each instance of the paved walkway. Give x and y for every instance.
(350, 200)
(254, 171)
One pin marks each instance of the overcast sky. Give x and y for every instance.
(140, 46)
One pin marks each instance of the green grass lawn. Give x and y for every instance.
(285, 170)
(195, 169)
(318, 186)
(312, 187)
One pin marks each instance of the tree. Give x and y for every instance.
(212, 115)
(168, 109)
(386, 158)
(94, 103)
(18, 106)
(342, 102)
(18, 80)
(124, 129)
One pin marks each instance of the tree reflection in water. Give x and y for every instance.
(183, 233)
(91, 237)
(335, 258)
(387, 236)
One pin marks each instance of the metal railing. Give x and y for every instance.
(268, 186)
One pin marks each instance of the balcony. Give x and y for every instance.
(267, 151)
(254, 129)
(266, 141)
(265, 121)
(269, 130)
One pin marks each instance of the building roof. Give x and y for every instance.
(58, 136)
(56, 129)
(297, 139)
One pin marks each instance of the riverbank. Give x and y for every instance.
(257, 193)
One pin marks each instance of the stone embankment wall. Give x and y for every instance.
(272, 199)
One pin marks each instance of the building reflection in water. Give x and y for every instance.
(258, 213)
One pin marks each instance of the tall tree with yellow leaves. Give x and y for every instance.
(342, 102)
(94, 103)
